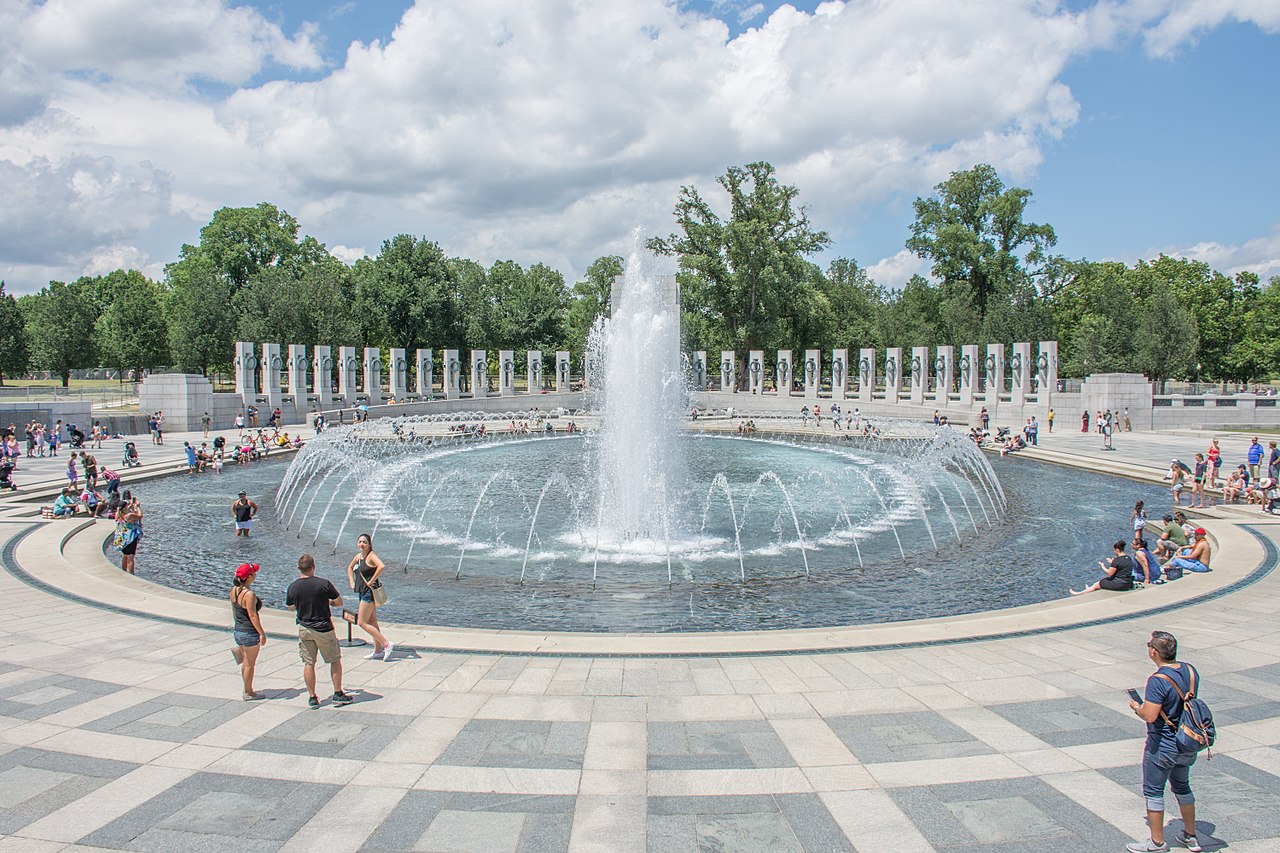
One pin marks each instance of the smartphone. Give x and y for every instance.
(1133, 694)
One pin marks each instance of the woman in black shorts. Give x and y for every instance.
(128, 531)
(247, 628)
(1119, 572)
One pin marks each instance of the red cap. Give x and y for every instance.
(246, 569)
(1200, 531)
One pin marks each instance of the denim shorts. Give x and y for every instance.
(366, 595)
(246, 638)
(1162, 768)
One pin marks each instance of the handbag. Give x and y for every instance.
(379, 593)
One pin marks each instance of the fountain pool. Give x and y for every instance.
(460, 522)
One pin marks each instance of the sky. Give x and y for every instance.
(546, 132)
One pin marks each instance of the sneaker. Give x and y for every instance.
(313, 703)
(386, 653)
(1147, 846)
(373, 655)
(1190, 842)
(254, 697)
(340, 698)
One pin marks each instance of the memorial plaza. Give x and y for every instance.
(123, 725)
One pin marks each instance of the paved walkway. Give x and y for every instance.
(121, 732)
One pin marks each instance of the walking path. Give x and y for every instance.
(119, 731)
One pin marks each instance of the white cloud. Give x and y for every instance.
(896, 270)
(1184, 22)
(1260, 255)
(348, 254)
(503, 129)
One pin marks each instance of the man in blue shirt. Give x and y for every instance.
(1255, 458)
(1162, 762)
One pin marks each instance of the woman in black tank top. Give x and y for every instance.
(363, 573)
(247, 628)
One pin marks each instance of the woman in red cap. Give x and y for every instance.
(247, 631)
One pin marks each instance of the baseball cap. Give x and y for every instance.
(1200, 531)
(245, 569)
(243, 494)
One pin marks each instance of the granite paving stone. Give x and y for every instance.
(36, 782)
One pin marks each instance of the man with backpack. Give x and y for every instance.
(1179, 725)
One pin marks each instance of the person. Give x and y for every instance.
(1273, 461)
(240, 423)
(192, 464)
(1172, 537)
(205, 422)
(1255, 458)
(1195, 557)
(64, 506)
(1270, 495)
(986, 419)
(1215, 463)
(128, 531)
(1118, 570)
(247, 630)
(310, 598)
(1146, 566)
(1128, 424)
(130, 455)
(1162, 762)
(159, 427)
(1199, 473)
(93, 503)
(244, 510)
(1049, 418)
(1236, 483)
(151, 426)
(1084, 421)
(363, 573)
(1138, 520)
(1177, 476)
(1033, 431)
(6, 475)
(72, 474)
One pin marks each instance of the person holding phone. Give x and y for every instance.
(128, 531)
(1118, 572)
(1162, 762)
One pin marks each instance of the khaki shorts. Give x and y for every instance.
(324, 642)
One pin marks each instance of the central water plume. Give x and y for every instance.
(637, 384)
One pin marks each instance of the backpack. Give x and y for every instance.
(1194, 730)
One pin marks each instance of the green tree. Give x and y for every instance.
(239, 241)
(974, 234)
(406, 296)
(858, 304)
(742, 273)
(62, 328)
(529, 306)
(133, 329)
(202, 318)
(15, 354)
(1166, 339)
(590, 300)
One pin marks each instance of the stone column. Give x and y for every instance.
(246, 372)
(373, 375)
(398, 379)
(783, 374)
(755, 372)
(426, 373)
(866, 373)
(1047, 373)
(812, 374)
(892, 374)
(298, 376)
(347, 363)
(995, 377)
(322, 376)
(452, 374)
(944, 365)
(533, 370)
(968, 373)
(839, 373)
(700, 370)
(919, 373)
(1020, 368)
(728, 370)
(506, 373)
(271, 366)
(562, 372)
(479, 374)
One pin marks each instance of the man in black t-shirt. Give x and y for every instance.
(311, 597)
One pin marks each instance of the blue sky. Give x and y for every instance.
(545, 132)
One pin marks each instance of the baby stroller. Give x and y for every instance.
(77, 437)
(6, 475)
(131, 455)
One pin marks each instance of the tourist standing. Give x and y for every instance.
(1084, 421)
(71, 472)
(986, 419)
(1050, 419)
(1273, 462)
(205, 422)
(128, 531)
(1215, 463)
(244, 510)
(1162, 762)
(240, 423)
(1255, 459)
(363, 573)
(247, 630)
(311, 597)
